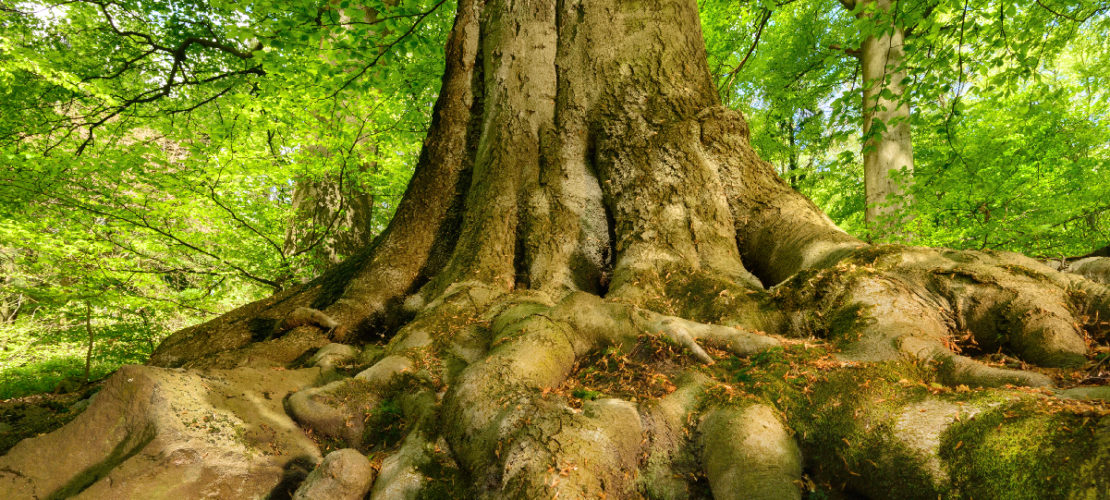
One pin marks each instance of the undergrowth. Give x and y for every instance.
(35, 358)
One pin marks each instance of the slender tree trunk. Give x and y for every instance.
(887, 136)
(332, 220)
(888, 143)
(91, 340)
(10, 302)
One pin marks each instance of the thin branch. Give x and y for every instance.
(216, 199)
(731, 76)
(1071, 17)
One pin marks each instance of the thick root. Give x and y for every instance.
(343, 475)
(338, 409)
(529, 444)
(870, 431)
(332, 355)
(686, 333)
(1093, 268)
(953, 369)
(882, 303)
(180, 434)
(402, 475)
(490, 394)
(755, 437)
(669, 456)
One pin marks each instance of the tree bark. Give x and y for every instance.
(563, 307)
(888, 141)
(332, 220)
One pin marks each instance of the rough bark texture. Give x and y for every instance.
(563, 308)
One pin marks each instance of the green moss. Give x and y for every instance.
(586, 394)
(444, 479)
(646, 370)
(515, 313)
(385, 426)
(778, 375)
(1020, 451)
(701, 296)
(845, 323)
(844, 416)
(846, 430)
(873, 254)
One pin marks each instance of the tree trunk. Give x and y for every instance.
(333, 215)
(888, 143)
(90, 343)
(562, 307)
(332, 220)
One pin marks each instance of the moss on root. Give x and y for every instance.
(444, 479)
(1024, 450)
(847, 428)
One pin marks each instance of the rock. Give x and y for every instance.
(344, 474)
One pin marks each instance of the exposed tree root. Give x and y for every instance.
(753, 436)
(476, 379)
(888, 302)
(172, 433)
(1093, 268)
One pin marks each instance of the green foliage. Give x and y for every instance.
(1010, 124)
(149, 152)
(35, 358)
(1025, 165)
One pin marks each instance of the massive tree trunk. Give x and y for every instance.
(571, 302)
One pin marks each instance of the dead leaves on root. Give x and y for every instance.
(647, 371)
(652, 367)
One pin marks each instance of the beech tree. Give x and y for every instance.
(594, 287)
(888, 143)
